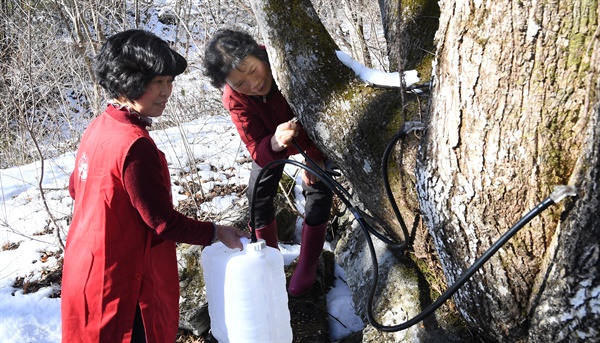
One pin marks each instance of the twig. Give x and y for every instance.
(39, 151)
(329, 314)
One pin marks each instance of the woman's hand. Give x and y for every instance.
(230, 236)
(283, 135)
(308, 177)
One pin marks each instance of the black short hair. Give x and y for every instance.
(226, 50)
(130, 59)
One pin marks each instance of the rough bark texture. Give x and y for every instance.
(409, 40)
(352, 124)
(567, 307)
(349, 121)
(514, 113)
(389, 17)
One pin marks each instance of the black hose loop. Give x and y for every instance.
(325, 178)
(388, 190)
(461, 281)
(319, 172)
(342, 193)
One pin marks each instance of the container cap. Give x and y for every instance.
(260, 245)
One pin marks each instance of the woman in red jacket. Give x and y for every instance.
(235, 61)
(120, 279)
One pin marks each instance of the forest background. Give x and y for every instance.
(46, 51)
(513, 111)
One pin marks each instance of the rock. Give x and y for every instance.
(402, 290)
(193, 306)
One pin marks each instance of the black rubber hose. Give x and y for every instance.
(344, 195)
(323, 175)
(463, 278)
(388, 190)
(325, 178)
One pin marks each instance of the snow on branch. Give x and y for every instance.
(377, 77)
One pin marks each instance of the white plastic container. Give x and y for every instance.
(247, 299)
(214, 260)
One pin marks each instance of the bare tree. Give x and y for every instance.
(356, 26)
(409, 27)
(47, 79)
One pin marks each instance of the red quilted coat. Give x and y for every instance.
(114, 259)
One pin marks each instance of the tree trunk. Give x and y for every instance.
(361, 49)
(389, 17)
(348, 120)
(352, 123)
(410, 37)
(566, 308)
(514, 113)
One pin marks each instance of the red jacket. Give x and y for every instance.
(116, 254)
(257, 118)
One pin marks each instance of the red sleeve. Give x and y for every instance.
(257, 128)
(72, 185)
(144, 182)
(253, 132)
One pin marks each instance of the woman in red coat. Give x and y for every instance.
(120, 279)
(235, 61)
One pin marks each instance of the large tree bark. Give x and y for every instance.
(349, 121)
(409, 36)
(567, 306)
(352, 123)
(514, 113)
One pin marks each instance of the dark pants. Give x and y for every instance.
(139, 334)
(318, 197)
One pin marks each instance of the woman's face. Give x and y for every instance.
(251, 77)
(154, 100)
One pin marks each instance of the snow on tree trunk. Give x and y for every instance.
(514, 113)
